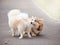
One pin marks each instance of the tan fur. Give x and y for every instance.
(40, 26)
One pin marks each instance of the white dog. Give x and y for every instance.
(21, 21)
(14, 17)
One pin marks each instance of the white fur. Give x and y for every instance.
(22, 15)
(16, 16)
(24, 28)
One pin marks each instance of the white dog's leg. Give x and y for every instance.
(20, 31)
(13, 31)
(29, 30)
(21, 36)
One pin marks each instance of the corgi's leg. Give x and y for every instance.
(29, 35)
(33, 34)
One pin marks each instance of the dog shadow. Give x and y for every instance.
(41, 36)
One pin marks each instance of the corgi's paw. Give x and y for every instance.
(34, 35)
(30, 36)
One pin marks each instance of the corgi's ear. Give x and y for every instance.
(32, 17)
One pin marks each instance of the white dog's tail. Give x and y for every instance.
(17, 14)
(22, 16)
(13, 12)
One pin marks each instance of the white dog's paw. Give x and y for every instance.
(20, 37)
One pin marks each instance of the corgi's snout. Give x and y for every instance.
(31, 22)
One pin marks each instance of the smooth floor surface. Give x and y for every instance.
(51, 31)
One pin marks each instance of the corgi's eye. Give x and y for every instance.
(35, 20)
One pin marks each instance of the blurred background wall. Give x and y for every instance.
(51, 7)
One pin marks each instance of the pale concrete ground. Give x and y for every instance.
(49, 36)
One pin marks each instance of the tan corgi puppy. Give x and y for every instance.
(38, 26)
